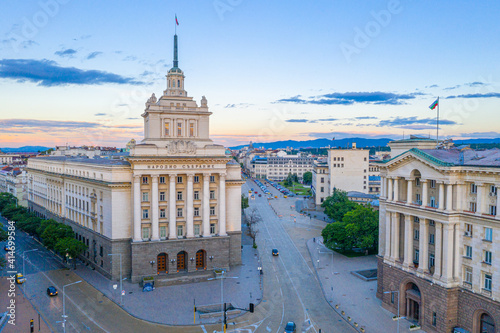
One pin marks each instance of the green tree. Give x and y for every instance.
(307, 177)
(54, 232)
(337, 205)
(362, 225)
(71, 247)
(3, 235)
(244, 202)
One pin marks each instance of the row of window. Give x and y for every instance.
(488, 232)
(487, 278)
(180, 196)
(180, 179)
(487, 255)
(146, 231)
(180, 212)
(191, 129)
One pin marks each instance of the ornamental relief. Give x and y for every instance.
(181, 147)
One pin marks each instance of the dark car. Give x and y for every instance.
(52, 291)
(260, 195)
(290, 327)
(6, 248)
(275, 252)
(148, 287)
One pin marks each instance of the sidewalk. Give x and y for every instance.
(24, 311)
(173, 305)
(353, 295)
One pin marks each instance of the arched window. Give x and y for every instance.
(178, 83)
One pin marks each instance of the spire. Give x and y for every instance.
(176, 62)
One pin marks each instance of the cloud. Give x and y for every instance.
(413, 121)
(9, 124)
(93, 55)
(16, 43)
(239, 105)
(487, 95)
(130, 58)
(432, 86)
(454, 87)
(349, 98)
(82, 37)
(364, 118)
(344, 135)
(297, 121)
(68, 53)
(100, 114)
(476, 84)
(482, 135)
(48, 73)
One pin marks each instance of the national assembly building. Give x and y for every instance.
(171, 208)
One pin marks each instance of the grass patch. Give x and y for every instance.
(298, 188)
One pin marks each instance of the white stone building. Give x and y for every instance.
(320, 186)
(348, 169)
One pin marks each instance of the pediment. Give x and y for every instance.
(407, 163)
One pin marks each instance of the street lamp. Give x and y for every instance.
(24, 257)
(396, 292)
(222, 277)
(64, 304)
(121, 280)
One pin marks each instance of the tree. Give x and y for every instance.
(307, 177)
(70, 247)
(3, 235)
(337, 205)
(251, 220)
(54, 232)
(244, 202)
(362, 225)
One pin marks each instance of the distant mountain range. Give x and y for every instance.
(360, 143)
(25, 149)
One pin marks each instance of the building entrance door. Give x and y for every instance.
(181, 261)
(161, 261)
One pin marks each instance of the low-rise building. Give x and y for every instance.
(320, 186)
(14, 181)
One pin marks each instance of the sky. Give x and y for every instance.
(79, 72)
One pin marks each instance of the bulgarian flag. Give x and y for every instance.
(176, 22)
(435, 104)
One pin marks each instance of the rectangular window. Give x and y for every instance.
(212, 179)
(180, 230)
(431, 238)
(434, 319)
(191, 130)
(472, 207)
(417, 256)
(322, 179)
(145, 233)
(212, 194)
(392, 298)
(432, 260)
(145, 213)
(322, 189)
(212, 228)
(163, 232)
(488, 234)
(196, 195)
(162, 213)
(167, 128)
(468, 251)
(487, 282)
(196, 179)
(473, 188)
(179, 180)
(145, 179)
(416, 219)
(432, 223)
(468, 275)
(468, 229)
(416, 234)
(196, 229)
(433, 183)
(418, 199)
(179, 195)
(162, 196)
(179, 129)
(162, 180)
(179, 212)
(196, 211)
(101, 251)
(212, 211)
(493, 210)
(433, 202)
(417, 181)
(145, 196)
(493, 190)
(487, 257)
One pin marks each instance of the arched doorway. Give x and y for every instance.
(413, 302)
(181, 261)
(161, 263)
(201, 262)
(486, 324)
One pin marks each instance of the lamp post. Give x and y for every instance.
(121, 280)
(396, 292)
(222, 277)
(64, 304)
(24, 257)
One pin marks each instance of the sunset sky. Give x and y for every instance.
(79, 72)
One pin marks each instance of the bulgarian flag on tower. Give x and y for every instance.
(176, 22)
(435, 104)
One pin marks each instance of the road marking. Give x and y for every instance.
(203, 328)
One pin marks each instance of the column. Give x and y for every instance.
(448, 234)
(425, 193)
(389, 189)
(449, 197)
(480, 199)
(460, 197)
(137, 209)
(438, 241)
(396, 189)
(222, 204)
(383, 181)
(172, 205)
(458, 246)
(409, 192)
(441, 196)
(154, 209)
(388, 234)
(423, 246)
(498, 200)
(189, 207)
(408, 241)
(395, 236)
(206, 205)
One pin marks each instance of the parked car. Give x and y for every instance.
(290, 327)
(148, 286)
(6, 248)
(275, 252)
(52, 291)
(20, 279)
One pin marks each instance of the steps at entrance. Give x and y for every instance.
(182, 278)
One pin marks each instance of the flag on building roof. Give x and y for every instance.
(433, 105)
(176, 22)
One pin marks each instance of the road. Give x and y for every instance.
(291, 289)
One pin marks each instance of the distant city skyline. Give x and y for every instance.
(80, 73)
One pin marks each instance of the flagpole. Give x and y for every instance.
(175, 24)
(437, 126)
